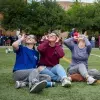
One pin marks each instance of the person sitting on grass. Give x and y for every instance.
(24, 71)
(80, 54)
(50, 53)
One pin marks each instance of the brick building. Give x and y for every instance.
(67, 4)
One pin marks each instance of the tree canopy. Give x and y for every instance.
(36, 18)
(47, 15)
(84, 16)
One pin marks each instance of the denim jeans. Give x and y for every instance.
(57, 72)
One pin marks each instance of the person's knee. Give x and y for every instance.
(35, 71)
(73, 70)
(41, 68)
(59, 66)
(70, 72)
(44, 77)
(81, 65)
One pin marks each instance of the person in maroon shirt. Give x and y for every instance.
(51, 51)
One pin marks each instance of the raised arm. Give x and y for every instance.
(69, 43)
(88, 45)
(59, 51)
(16, 44)
(42, 47)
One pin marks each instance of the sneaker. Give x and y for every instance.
(32, 83)
(66, 83)
(51, 84)
(20, 84)
(6, 50)
(37, 87)
(69, 78)
(91, 80)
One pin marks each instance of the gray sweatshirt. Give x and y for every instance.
(78, 55)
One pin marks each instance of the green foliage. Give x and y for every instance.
(13, 11)
(84, 16)
(46, 15)
(36, 18)
(81, 16)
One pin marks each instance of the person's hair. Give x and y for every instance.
(33, 48)
(33, 36)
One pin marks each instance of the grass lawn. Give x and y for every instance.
(78, 91)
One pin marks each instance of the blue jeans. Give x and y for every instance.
(57, 72)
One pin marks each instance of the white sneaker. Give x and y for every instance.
(66, 82)
(91, 80)
(37, 87)
(69, 78)
(6, 50)
(20, 84)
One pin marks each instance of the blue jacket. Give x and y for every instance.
(25, 58)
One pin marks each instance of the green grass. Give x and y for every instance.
(78, 91)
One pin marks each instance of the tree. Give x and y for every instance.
(14, 12)
(35, 18)
(96, 26)
(81, 16)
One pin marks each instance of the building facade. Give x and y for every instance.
(65, 4)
